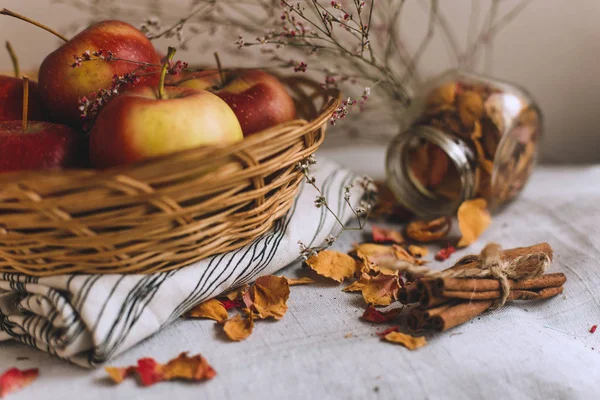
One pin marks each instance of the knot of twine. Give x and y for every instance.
(489, 264)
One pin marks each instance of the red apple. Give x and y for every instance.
(11, 100)
(139, 124)
(258, 99)
(42, 145)
(61, 86)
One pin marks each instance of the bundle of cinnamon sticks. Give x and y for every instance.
(447, 301)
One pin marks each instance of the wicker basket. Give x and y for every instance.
(164, 213)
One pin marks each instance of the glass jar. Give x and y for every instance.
(469, 136)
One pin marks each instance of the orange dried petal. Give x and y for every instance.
(15, 379)
(269, 296)
(238, 328)
(443, 95)
(194, 368)
(211, 309)
(429, 231)
(470, 107)
(118, 374)
(149, 371)
(473, 220)
(383, 235)
(417, 251)
(236, 294)
(408, 341)
(332, 264)
(378, 290)
(299, 281)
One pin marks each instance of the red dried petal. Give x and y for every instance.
(14, 379)
(593, 328)
(229, 304)
(388, 330)
(382, 235)
(371, 314)
(149, 371)
(445, 253)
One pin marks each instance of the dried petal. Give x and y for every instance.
(386, 331)
(299, 281)
(445, 253)
(269, 296)
(238, 328)
(211, 309)
(194, 368)
(332, 264)
(236, 294)
(149, 371)
(473, 220)
(408, 341)
(438, 166)
(368, 267)
(117, 374)
(383, 235)
(378, 290)
(387, 205)
(443, 95)
(15, 379)
(371, 314)
(470, 107)
(429, 231)
(229, 304)
(417, 251)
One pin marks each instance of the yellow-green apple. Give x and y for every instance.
(62, 82)
(144, 123)
(11, 100)
(258, 99)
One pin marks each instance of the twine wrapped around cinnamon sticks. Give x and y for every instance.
(477, 283)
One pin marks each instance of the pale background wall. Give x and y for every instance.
(552, 48)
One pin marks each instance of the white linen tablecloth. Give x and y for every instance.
(539, 350)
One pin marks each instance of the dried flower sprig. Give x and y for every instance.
(361, 212)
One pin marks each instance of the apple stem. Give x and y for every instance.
(25, 102)
(220, 68)
(163, 72)
(4, 11)
(14, 59)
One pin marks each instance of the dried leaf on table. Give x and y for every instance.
(445, 253)
(194, 368)
(333, 264)
(366, 266)
(372, 314)
(238, 328)
(378, 290)
(268, 297)
(15, 379)
(417, 251)
(299, 281)
(211, 309)
(383, 235)
(408, 341)
(429, 231)
(473, 220)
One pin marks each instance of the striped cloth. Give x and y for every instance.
(88, 319)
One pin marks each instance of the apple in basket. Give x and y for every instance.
(11, 95)
(61, 85)
(258, 99)
(150, 121)
(27, 145)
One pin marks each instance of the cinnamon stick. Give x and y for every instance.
(458, 314)
(409, 293)
(429, 297)
(517, 294)
(416, 319)
(509, 255)
(483, 285)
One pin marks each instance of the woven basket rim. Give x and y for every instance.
(213, 151)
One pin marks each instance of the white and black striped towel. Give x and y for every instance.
(88, 319)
